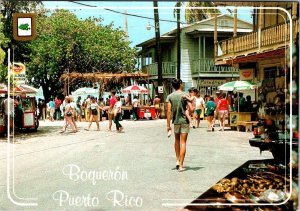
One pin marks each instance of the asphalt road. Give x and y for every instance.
(101, 170)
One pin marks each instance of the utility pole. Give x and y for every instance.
(178, 43)
(158, 46)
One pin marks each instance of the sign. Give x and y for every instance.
(18, 68)
(211, 83)
(160, 89)
(19, 72)
(24, 26)
(246, 74)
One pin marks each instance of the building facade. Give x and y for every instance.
(197, 55)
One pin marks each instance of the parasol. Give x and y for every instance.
(135, 89)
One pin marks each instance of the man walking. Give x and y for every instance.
(177, 106)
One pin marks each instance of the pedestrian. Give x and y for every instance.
(210, 110)
(216, 115)
(135, 104)
(117, 114)
(176, 108)
(57, 112)
(222, 109)
(199, 105)
(192, 99)
(112, 102)
(87, 108)
(51, 109)
(94, 113)
(78, 109)
(73, 107)
(68, 116)
(156, 103)
(8, 107)
(102, 105)
(40, 108)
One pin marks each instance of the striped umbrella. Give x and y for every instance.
(135, 89)
(237, 86)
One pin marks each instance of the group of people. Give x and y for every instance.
(91, 108)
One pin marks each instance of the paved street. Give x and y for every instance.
(101, 170)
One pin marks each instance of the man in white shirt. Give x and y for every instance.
(135, 104)
(8, 102)
(117, 114)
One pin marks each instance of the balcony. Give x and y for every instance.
(168, 70)
(269, 39)
(207, 68)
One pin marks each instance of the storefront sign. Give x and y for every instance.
(19, 72)
(212, 83)
(246, 74)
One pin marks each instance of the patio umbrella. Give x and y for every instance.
(236, 86)
(85, 91)
(135, 89)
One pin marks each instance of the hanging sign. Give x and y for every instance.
(24, 26)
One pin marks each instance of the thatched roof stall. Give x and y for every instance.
(103, 78)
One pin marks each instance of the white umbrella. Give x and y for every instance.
(237, 86)
(85, 91)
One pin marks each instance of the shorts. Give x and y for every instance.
(51, 112)
(210, 113)
(223, 113)
(197, 111)
(182, 128)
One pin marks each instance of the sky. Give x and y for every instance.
(137, 30)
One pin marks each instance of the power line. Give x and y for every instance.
(149, 18)
(124, 13)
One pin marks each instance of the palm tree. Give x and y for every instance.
(194, 15)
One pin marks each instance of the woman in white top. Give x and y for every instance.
(117, 114)
(94, 113)
(198, 108)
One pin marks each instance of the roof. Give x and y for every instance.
(163, 39)
(173, 31)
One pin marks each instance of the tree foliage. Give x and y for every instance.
(193, 14)
(67, 44)
(3, 44)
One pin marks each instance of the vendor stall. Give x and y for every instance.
(146, 112)
(256, 181)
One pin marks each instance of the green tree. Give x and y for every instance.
(67, 44)
(3, 44)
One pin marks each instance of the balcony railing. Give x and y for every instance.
(207, 66)
(275, 36)
(168, 69)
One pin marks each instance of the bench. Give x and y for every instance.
(247, 124)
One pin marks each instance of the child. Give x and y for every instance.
(191, 105)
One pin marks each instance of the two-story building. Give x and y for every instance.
(262, 55)
(197, 55)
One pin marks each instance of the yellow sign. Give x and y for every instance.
(18, 68)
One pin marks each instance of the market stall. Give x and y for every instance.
(256, 182)
(25, 112)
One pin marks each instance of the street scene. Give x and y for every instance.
(149, 105)
(141, 159)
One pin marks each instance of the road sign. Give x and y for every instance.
(24, 26)
(160, 89)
